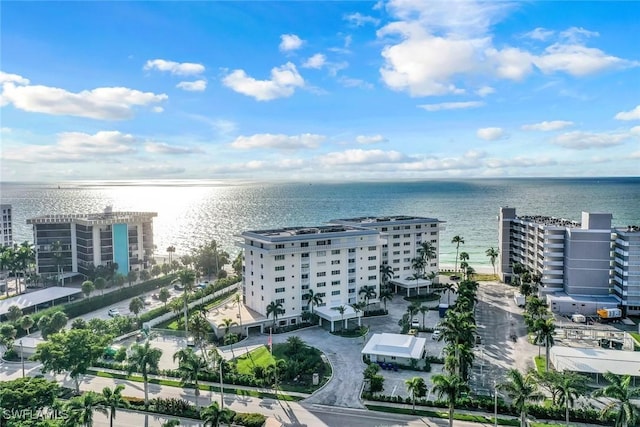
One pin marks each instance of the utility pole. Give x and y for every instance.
(22, 357)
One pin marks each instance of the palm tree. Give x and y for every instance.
(386, 274)
(424, 310)
(493, 255)
(58, 258)
(385, 295)
(227, 324)
(457, 240)
(171, 250)
(367, 292)
(87, 287)
(357, 307)
(112, 400)
(80, 408)
(313, 299)
(428, 251)
(132, 276)
(417, 388)
(464, 256)
(171, 423)
(449, 387)
(187, 279)
(568, 387)
(545, 328)
(274, 309)
(237, 302)
(199, 327)
(619, 390)
(521, 389)
(25, 256)
(469, 272)
(144, 359)
(212, 415)
(14, 313)
(190, 366)
(449, 288)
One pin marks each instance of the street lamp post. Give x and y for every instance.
(495, 403)
(22, 357)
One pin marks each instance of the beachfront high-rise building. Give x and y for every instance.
(583, 265)
(6, 227)
(404, 236)
(333, 261)
(625, 277)
(74, 243)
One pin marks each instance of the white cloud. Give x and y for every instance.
(372, 139)
(157, 109)
(490, 134)
(521, 162)
(485, 90)
(278, 141)
(579, 140)
(289, 42)
(164, 148)
(511, 63)
(577, 60)
(359, 19)
(195, 86)
(76, 147)
(635, 155)
(315, 61)
(5, 130)
(13, 78)
(548, 126)
(629, 115)
(351, 82)
(359, 156)
(284, 80)
(577, 34)
(105, 103)
(539, 33)
(177, 68)
(451, 105)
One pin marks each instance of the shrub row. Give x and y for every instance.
(379, 312)
(487, 404)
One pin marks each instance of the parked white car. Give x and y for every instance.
(113, 312)
(436, 334)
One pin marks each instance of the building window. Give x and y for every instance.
(352, 260)
(335, 272)
(279, 290)
(335, 252)
(396, 228)
(383, 229)
(418, 227)
(407, 235)
(352, 251)
(397, 244)
(279, 279)
(321, 253)
(321, 273)
(373, 277)
(322, 263)
(396, 261)
(304, 244)
(396, 252)
(352, 270)
(372, 258)
(280, 246)
(321, 284)
(279, 267)
(352, 281)
(335, 292)
(372, 267)
(335, 262)
(280, 300)
(322, 242)
(304, 276)
(396, 236)
(305, 255)
(373, 248)
(335, 283)
(279, 257)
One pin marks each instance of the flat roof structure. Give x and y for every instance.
(297, 233)
(395, 345)
(411, 283)
(104, 218)
(332, 314)
(370, 221)
(595, 360)
(36, 298)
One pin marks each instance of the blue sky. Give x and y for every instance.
(313, 91)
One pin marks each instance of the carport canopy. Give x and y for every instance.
(36, 298)
(332, 314)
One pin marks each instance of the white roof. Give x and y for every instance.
(411, 283)
(332, 313)
(397, 345)
(595, 360)
(38, 297)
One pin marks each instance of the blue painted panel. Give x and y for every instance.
(121, 247)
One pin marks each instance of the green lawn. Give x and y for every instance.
(541, 363)
(258, 357)
(636, 336)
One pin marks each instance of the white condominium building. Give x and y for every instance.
(625, 277)
(74, 243)
(403, 237)
(6, 227)
(283, 265)
(569, 256)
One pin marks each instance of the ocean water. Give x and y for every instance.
(193, 212)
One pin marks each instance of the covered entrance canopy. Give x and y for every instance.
(332, 314)
(410, 283)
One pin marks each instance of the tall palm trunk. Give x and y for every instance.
(451, 409)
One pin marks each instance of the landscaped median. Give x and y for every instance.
(204, 386)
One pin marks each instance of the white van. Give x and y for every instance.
(578, 318)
